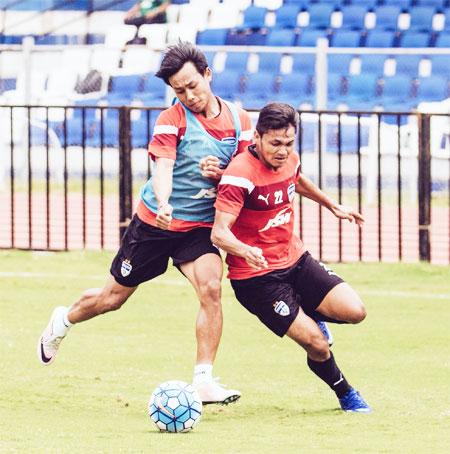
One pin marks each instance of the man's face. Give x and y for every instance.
(192, 88)
(275, 146)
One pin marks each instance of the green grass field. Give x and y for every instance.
(93, 398)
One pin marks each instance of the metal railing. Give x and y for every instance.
(71, 176)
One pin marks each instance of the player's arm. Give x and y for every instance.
(308, 189)
(162, 188)
(223, 237)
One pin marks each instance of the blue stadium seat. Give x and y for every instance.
(303, 63)
(153, 90)
(210, 55)
(259, 88)
(308, 37)
(440, 65)
(404, 4)
(443, 40)
(89, 111)
(395, 91)
(269, 62)
(212, 36)
(74, 135)
(339, 63)
(109, 134)
(334, 87)
(295, 89)
(286, 16)
(373, 64)
(347, 136)
(300, 3)
(227, 84)
(353, 17)
(345, 38)
(237, 61)
(439, 5)
(414, 39)
(433, 88)
(447, 19)
(124, 5)
(51, 40)
(8, 83)
(320, 15)
(361, 90)
(380, 38)
(407, 64)
(239, 38)
(141, 132)
(370, 5)
(254, 17)
(77, 5)
(281, 37)
(125, 87)
(421, 18)
(387, 17)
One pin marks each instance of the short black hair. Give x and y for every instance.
(276, 115)
(177, 55)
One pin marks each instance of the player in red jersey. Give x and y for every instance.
(272, 274)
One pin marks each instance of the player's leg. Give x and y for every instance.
(201, 263)
(307, 334)
(137, 261)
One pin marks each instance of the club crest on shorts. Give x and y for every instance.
(280, 307)
(126, 268)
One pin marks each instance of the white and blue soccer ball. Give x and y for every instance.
(175, 406)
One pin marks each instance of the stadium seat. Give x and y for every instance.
(227, 85)
(281, 37)
(139, 59)
(414, 39)
(237, 62)
(224, 16)
(344, 138)
(295, 89)
(433, 88)
(370, 5)
(439, 5)
(380, 38)
(194, 13)
(320, 15)
(361, 90)
(407, 64)
(353, 17)
(153, 90)
(404, 4)
(447, 19)
(395, 91)
(212, 36)
(303, 63)
(373, 64)
(387, 17)
(269, 62)
(334, 89)
(421, 18)
(345, 38)
(308, 37)
(286, 16)
(443, 40)
(339, 63)
(254, 17)
(258, 89)
(124, 86)
(440, 65)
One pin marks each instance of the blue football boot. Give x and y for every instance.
(352, 401)
(326, 332)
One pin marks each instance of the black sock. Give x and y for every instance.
(330, 373)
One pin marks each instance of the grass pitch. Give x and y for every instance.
(93, 398)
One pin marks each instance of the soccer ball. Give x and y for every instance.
(175, 406)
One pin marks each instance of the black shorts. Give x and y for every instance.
(145, 251)
(275, 297)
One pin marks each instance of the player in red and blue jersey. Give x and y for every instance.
(272, 274)
(193, 141)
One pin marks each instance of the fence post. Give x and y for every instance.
(424, 187)
(125, 182)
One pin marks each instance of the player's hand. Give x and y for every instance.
(210, 167)
(345, 212)
(164, 216)
(254, 257)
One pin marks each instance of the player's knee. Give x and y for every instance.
(317, 347)
(210, 291)
(109, 301)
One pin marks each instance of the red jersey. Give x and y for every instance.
(169, 131)
(262, 200)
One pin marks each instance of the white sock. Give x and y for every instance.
(61, 324)
(202, 373)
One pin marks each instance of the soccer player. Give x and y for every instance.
(272, 274)
(193, 141)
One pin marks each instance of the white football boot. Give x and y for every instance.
(212, 392)
(52, 336)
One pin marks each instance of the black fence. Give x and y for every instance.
(70, 179)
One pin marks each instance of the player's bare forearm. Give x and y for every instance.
(224, 238)
(306, 188)
(162, 188)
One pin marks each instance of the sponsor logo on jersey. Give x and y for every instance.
(126, 268)
(281, 308)
(291, 192)
(230, 140)
(210, 193)
(266, 198)
(281, 218)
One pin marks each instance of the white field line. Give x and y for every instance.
(184, 282)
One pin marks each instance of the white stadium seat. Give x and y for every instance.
(139, 59)
(197, 14)
(65, 22)
(156, 35)
(118, 36)
(224, 16)
(23, 23)
(104, 59)
(104, 21)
